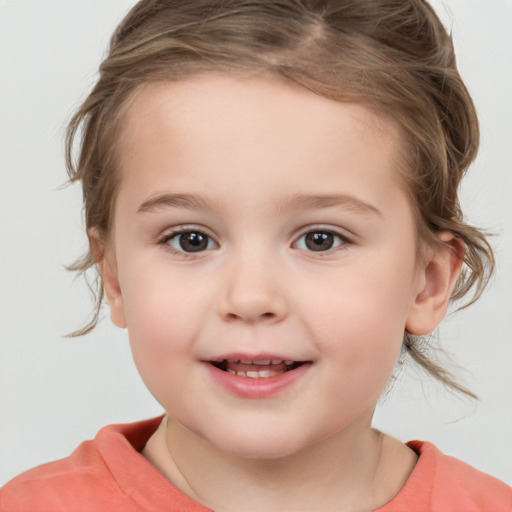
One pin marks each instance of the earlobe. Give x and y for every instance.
(107, 268)
(438, 276)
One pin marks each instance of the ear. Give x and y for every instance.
(107, 266)
(437, 278)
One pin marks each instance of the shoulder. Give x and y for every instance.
(443, 483)
(59, 483)
(101, 474)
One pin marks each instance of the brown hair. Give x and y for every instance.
(393, 56)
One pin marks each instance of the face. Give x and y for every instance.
(263, 259)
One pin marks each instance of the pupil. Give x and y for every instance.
(193, 242)
(319, 241)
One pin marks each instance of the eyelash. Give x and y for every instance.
(344, 241)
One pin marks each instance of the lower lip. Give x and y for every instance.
(260, 387)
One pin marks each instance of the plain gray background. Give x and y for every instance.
(56, 392)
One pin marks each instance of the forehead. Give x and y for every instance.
(220, 129)
(218, 97)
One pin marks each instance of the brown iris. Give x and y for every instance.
(319, 241)
(193, 241)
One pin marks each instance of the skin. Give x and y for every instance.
(247, 146)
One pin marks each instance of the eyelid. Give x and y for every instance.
(342, 232)
(184, 228)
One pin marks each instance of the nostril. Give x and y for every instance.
(268, 315)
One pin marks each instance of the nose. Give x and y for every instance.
(252, 293)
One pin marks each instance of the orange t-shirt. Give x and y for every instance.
(109, 474)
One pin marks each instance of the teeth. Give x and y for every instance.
(269, 373)
(260, 374)
(255, 373)
(261, 362)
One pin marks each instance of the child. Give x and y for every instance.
(270, 192)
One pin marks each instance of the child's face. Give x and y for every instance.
(258, 221)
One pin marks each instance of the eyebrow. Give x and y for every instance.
(188, 201)
(293, 203)
(299, 202)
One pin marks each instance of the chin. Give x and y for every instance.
(261, 445)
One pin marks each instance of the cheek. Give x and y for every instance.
(360, 323)
(163, 317)
(156, 296)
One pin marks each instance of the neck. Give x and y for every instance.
(347, 471)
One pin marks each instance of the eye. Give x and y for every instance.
(189, 241)
(320, 241)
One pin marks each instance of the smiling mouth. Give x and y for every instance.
(256, 369)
